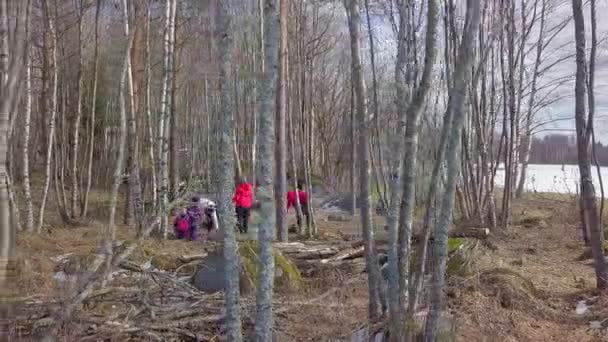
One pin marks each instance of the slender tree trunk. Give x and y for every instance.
(174, 160)
(353, 153)
(280, 190)
(148, 109)
(6, 242)
(135, 205)
(165, 117)
(402, 197)
(225, 179)
(52, 108)
(354, 23)
(29, 216)
(264, 318)
(591, 100)
(457, 96)
(584, 125)
(85, 206)
(76, 137)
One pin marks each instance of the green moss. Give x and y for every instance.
(290, 277)
(455, 244)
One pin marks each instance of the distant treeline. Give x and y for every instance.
(561, 149)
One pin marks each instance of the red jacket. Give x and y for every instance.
(243, 196)
(291, 198)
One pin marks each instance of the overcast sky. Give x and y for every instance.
(558, 117)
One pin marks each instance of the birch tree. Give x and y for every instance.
(11, 67)
(373, 271)
(225, 181)
(405, 183)
(456, 101)
(50, 106)
(280, 190)
(29, 215)
(264, 319)
(87, 191)
(163, 125)
(584, 129)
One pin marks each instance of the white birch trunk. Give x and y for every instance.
(29, 208)
(164, 123)
(52, 107)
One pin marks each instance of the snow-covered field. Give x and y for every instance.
(555, 178)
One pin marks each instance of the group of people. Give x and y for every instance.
(244, 201)
(201, 213)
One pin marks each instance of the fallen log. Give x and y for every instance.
(467, 233)
(189, 258)
(315, 254)
(345, 255)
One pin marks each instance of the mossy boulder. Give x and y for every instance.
(211, 272)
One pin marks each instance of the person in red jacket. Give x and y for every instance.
(243, 198)
(303, 199)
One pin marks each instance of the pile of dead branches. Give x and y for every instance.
(139, 302)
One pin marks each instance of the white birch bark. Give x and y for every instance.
(52, 107)
(164, 124)
(29, 208)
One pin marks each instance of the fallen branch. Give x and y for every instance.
(347, 254)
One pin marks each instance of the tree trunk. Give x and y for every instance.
(6, 242)
(148, 109)
(280, 190)
(85, 205)
(264, 319)
(353, 153)
(373, 271)
(456, 101)
(165, 118)
(225, 179)
(174, 160)
(52, 108)
(76, 137)
(584, 125)
(29, 216)
(135, 204)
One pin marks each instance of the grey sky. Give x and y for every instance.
(559, 116)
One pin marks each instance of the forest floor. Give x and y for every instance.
(524, 283)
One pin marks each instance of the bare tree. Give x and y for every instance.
(264, 319)
(225, 181)
(29, 220)
(354, 26)
(280, 190)
(584, 128)
(405, 184)
(87, 191)
(165, 117)
(457, 93)
(51, 106)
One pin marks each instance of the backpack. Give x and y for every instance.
(182, 224)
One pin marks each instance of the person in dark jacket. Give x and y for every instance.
(243, 200)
